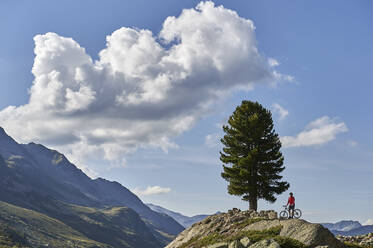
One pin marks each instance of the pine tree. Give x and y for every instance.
(251, 156)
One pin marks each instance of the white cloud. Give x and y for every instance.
(368, 222)
(317, 132)
(212, 140)
(273, 62)
(152, 190)
(283, 113)
(143, 90)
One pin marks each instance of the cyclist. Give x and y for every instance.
(291, 203)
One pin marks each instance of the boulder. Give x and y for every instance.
(236, 244)
(219, 245)
(246, 242)
(267, 243)
(301, 230)
(226, 225)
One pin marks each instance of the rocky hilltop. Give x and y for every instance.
(241, 229)
(361, 240)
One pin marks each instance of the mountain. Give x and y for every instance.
(344, 225)
(356, 231)
(250, 229)
(21, 227)
(33, 176)
(348, 228)
(185, 221)
(81, 226)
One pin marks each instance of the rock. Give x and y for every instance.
(301, 230)
(246, 242)
(236, 244)
(267, 243)
(219, 245)
(362, 240)
(272, 215)
(226, 225)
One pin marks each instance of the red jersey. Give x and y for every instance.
(291, 200)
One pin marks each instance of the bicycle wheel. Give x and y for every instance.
(284, 214)
(297, 213)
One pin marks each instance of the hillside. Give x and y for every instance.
(65, 224)
(33, 176)
(255, 230)
(26, 228)
(185, 221)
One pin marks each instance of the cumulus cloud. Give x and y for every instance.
(282, 112)
(318, 132)
(143, 90)
(152, 190)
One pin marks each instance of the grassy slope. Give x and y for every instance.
(115, 226)
(26, 228)
(64, 224)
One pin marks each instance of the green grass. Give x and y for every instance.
(254, 236)
(21, 227)
(66, 225)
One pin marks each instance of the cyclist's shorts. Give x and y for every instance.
(291, 207)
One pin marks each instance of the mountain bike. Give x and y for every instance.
(284, 214)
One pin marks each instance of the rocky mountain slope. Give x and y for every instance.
(357, 231)
(343, 226)
(251, 229)
(348, 228)
(21, 227)
(185, 221)
(360, 240)
(32, 173)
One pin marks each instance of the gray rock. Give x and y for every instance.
(272, 215)
(236, 244)
(246, 242)
(233, 223)
(219, 245)
(267, 243)
(301, 230)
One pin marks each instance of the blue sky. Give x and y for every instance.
(324, 46)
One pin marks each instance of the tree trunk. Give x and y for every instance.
(253, 203)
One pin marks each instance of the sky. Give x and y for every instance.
(137, 92)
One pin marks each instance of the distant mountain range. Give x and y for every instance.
(348, 228)
(33, 177)
(185, 221)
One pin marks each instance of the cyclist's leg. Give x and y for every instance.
(292, 207)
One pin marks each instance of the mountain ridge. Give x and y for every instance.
(33, 169)
(348, 228)
(184, 220)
